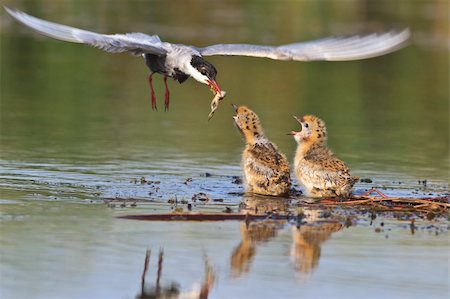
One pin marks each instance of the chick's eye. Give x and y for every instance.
(306, 125)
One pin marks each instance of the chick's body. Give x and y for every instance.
(316, 167)
(266, 170)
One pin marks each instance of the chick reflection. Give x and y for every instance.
(253, 234)
(306, 245)
(173, 291)
(260, 205)
(307, 236)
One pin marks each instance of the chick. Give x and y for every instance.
(316, 167)
(266, 170)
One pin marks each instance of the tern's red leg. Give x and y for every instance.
(166, 95)
(150, 82)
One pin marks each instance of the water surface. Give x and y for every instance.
(77, 127)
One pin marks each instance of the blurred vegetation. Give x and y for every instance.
(67, 101)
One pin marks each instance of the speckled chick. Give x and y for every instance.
(266, 170)
(316, 167)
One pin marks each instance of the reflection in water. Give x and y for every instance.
(156, 291)
(263, 205)
(308, 233)
(256, 233)
(252, 235)
(107, 262)
(306, 244)
(173, 290)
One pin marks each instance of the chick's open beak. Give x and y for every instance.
(213, 85)
(234, 107)
(292, 133)
(297, 119)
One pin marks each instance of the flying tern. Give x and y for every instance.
(180, 62)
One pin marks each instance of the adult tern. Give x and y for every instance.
(180, 61)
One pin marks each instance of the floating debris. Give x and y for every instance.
(348, 222)
(121, 202)
(366, 180)
(237, 181)
(436, 205)
(201, 197)
(423, 182)
(172, 200)
(143, 181)
(412, 226)
(228, 210)
(200, 217)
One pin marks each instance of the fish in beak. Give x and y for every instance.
(214, 87)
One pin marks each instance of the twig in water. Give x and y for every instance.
(374, 191)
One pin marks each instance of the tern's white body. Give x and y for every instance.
(181, 61)
(178, 55)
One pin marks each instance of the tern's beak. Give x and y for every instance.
(213, 85)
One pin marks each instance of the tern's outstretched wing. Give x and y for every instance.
(333, 48)
(136, 43)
